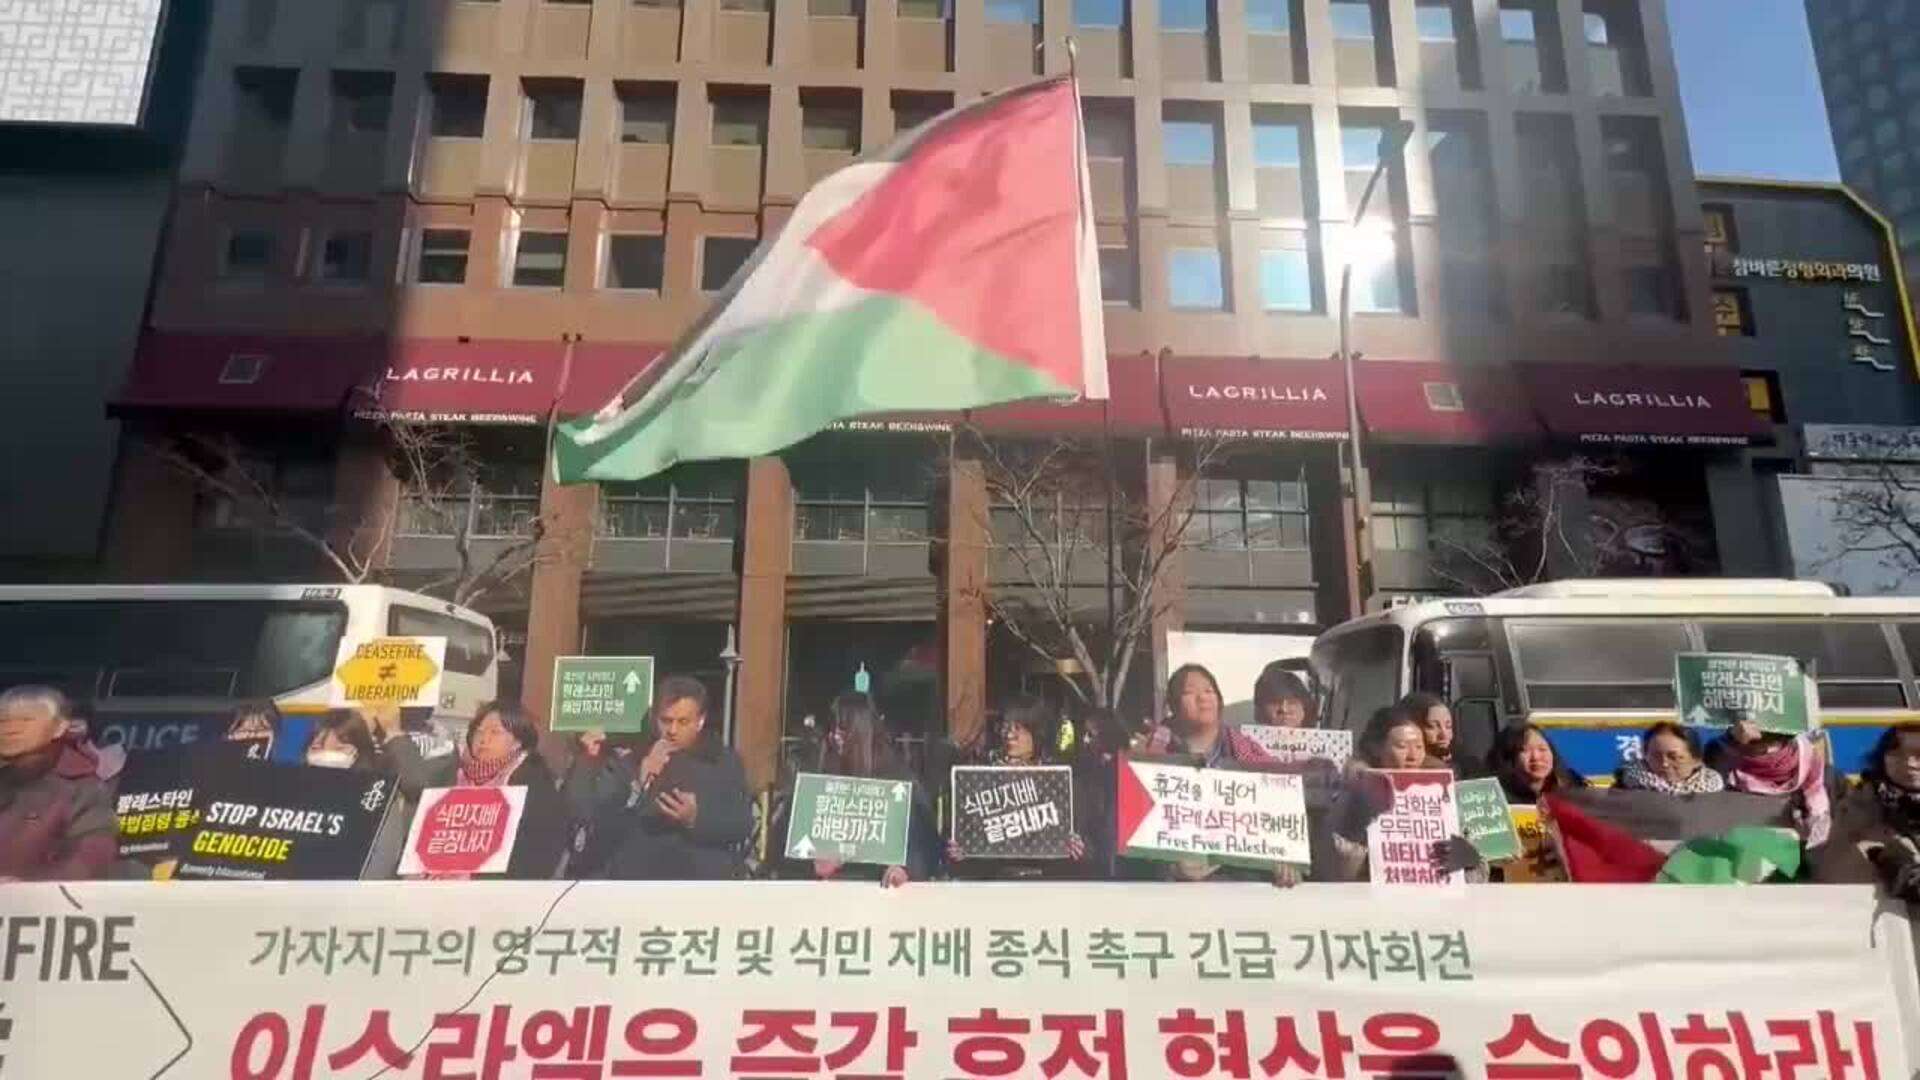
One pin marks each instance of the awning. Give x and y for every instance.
(1435, 402)
(455, 382)
(1624, 404)
(1251, 397)
(600, 370)
(1132, 407)
(218, 372)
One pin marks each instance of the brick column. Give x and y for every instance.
(149, 535)
(758, 705)
(1167, 503)
(963, 599)
(553, 608)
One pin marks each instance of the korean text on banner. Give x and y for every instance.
(1717, 690)
(1486, 819)
(1012, 813)
(604, 693)
(274, 982)
(403, 671)
(850, 819)
(1308, 747)
(1401, 842)
(1175, 812)
(461, 831)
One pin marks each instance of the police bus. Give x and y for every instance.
(1591, 661)
(157, 666)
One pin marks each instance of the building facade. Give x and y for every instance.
(481, 212)
(1869, 56)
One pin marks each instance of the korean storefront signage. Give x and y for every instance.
(1805, 269)
(1861, 442)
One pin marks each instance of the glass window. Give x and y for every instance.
(1109, 134)
(1650, 290)
(1376, 286)
(1100, 13)
(1352, 20)
(1286, 280)
(1194, 279)
(1119, 283)
(1363, 670)
(1239, 514)
(361, 101)
(646, 116)
(1433, 19)
(346, 258)
(443, 257)
(721, 257)
(911, 110)
(1192, 15)
(553, 109)
(1608, 664)
(739, 122)
(1018, 12)
(1189, 142)
(1517, 25)
(1359, 146)
(830, 127)
(1851, 662)
(264, 98)
(469, 646)
(636, 261)
(1594, 25)
(844, 9)
(1276, 146)
(249, 255)
(1421, 509)
(925, 9)
(688, 502)
(879, 498)
(1270, 16)
(540, 260)
(459, 106)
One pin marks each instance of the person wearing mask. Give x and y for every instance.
(56, 814)
(1524, 762)
(1027, 737)
(1436, 726)
(1194, 729)
(677, 812)
(343, 739)
(1876, 828)
(1395, 739)
(1281, 699)
(1669, 763)
(1765, 763)
(253, 729)
(500, 750)
(856, 744)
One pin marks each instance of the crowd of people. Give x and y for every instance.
(673, 803)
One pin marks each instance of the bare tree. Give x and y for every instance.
(1876, 512)
(1051, 506)
(1535, 537)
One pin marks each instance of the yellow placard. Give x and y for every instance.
(390, 670)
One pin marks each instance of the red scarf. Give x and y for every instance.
(1793, 766)
(477, 773)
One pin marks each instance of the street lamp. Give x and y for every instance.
(730, 659)
(1371, 246)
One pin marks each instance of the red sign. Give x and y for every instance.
(1241, 397)
(463, 831)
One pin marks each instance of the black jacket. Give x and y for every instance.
(923, 838)
(629, 839)
(543, 825)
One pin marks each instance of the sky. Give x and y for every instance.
(1751, 89)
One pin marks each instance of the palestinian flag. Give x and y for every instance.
(958, 270)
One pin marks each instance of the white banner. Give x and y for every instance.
(514, 979)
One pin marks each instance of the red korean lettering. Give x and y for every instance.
(377, 1040)
(1196, 1046)
(659, 1033)
(987, 1045)
(1407, 1045)
(1525, 1037)
(1290, 1051)
(464, 1045)
(765, 1027)
(1072, 1049)
(862, 1027)
(577, 1037)
(244, 1062)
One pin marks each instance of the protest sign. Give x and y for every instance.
(608, 693)
(1486, 819)
(212, 813)
(1401, 842)
(1303, 746)
(1538, 863)
(1016, 813)
(1175, 812)
(1717, 690)
(684, 979)
(850, 819)
(461, 831)
(403, 671)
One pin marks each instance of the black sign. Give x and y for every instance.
(1013, 813)
(215, 813)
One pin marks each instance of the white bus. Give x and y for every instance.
(157, 666)
(1591, 661)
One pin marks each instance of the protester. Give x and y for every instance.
(1435, 719)
(1765, 763)
(1670, 763)
(1096, 754)
(1028, 735)
(856, 745)
(1524, 762)
(56, 814)
(343, 739)
(1281, 699)
(500, 750)
(254, 728)
(680, 812)
(1395, 739)
(1876, 827)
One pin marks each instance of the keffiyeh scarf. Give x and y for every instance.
(1703, 781)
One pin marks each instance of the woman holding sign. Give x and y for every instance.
(1003, 819)
(856, 745)
(500, 750)
(1766, 763)
(1395, 741)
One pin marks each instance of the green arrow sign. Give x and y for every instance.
(610, 693)
(1720, 689)
(850, 819)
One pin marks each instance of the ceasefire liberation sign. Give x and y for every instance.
(850, 819)
(402, 671)
(608, 693)
(1718, 690)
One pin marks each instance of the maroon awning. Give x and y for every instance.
(1251, 397)
(1435, 402)
(1131, 407)
(601, 369)
(1667, 405)
(217, 372)
(463, 382)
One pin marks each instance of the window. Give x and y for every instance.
(458, 104)
(265, 99)
(924, 9)
(1421, 510)
(1717, 222)
(1015, 12)
(1594, 25)
(469, 645)
(540, 260)
(688, 502)
(361, 101)
(1360, 149)
(1763, 395)
(553, 109)
(739, 121)
(721, 257)
(443, 257)
(1850, 661)
(1352, 20)
(503, 501)
(1286, 280)
(646, 114)
(1651, 290)
(1194, 280)
(1109, 132)
(1189, 142)
(1270, 16)
(1365, 666)
(911, 110)
(1103, 14)
(830, 126)
(636, 261)
(1433, 19)
(875, 498)
(842, 9)
(1732, 313)
(1276, 145)
(1517, 26)
(757, 7)
(1238, 514)
(346, 258)
(1605, 664)
(1189, 15)
(248, 255)
(1119, 282)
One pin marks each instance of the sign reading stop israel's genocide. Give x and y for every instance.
(850, 819)
(604, 693)
(1717, 690)
(403, 671)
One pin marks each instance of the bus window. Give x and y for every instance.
(1365, 670)
(1605, 665)
(1453, 658)
(469, 646)
(1851, 660)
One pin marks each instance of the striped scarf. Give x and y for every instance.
(1704, 781)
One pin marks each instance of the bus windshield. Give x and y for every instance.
(97, 650)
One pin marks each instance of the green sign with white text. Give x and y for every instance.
(1486, 820)
(1717, 690)
(608, 693)
(850, 819)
